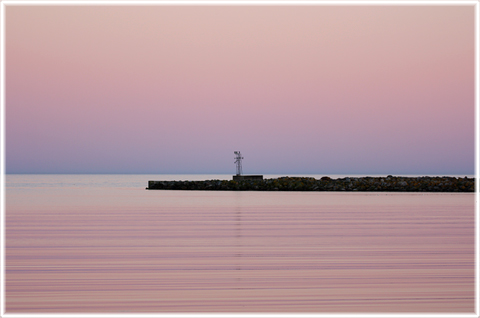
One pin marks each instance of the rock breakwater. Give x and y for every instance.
(389, 183)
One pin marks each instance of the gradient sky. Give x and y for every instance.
(298, 89)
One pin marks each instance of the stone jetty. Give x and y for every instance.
(389, 184)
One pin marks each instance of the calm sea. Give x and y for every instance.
(102, 243)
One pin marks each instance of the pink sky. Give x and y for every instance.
(298, 89)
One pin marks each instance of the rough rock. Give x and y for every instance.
(390, 183)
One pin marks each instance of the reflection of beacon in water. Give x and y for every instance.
(238, 246)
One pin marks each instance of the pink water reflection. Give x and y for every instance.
(193, 251)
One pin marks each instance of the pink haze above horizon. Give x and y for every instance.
(298, 89)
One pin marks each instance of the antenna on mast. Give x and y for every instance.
(238, 161)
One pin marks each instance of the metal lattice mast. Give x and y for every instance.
(238, 161)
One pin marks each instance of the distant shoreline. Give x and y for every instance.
(370, 184)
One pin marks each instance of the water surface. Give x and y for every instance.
(93, 243)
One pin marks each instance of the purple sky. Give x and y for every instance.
(298, 89)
